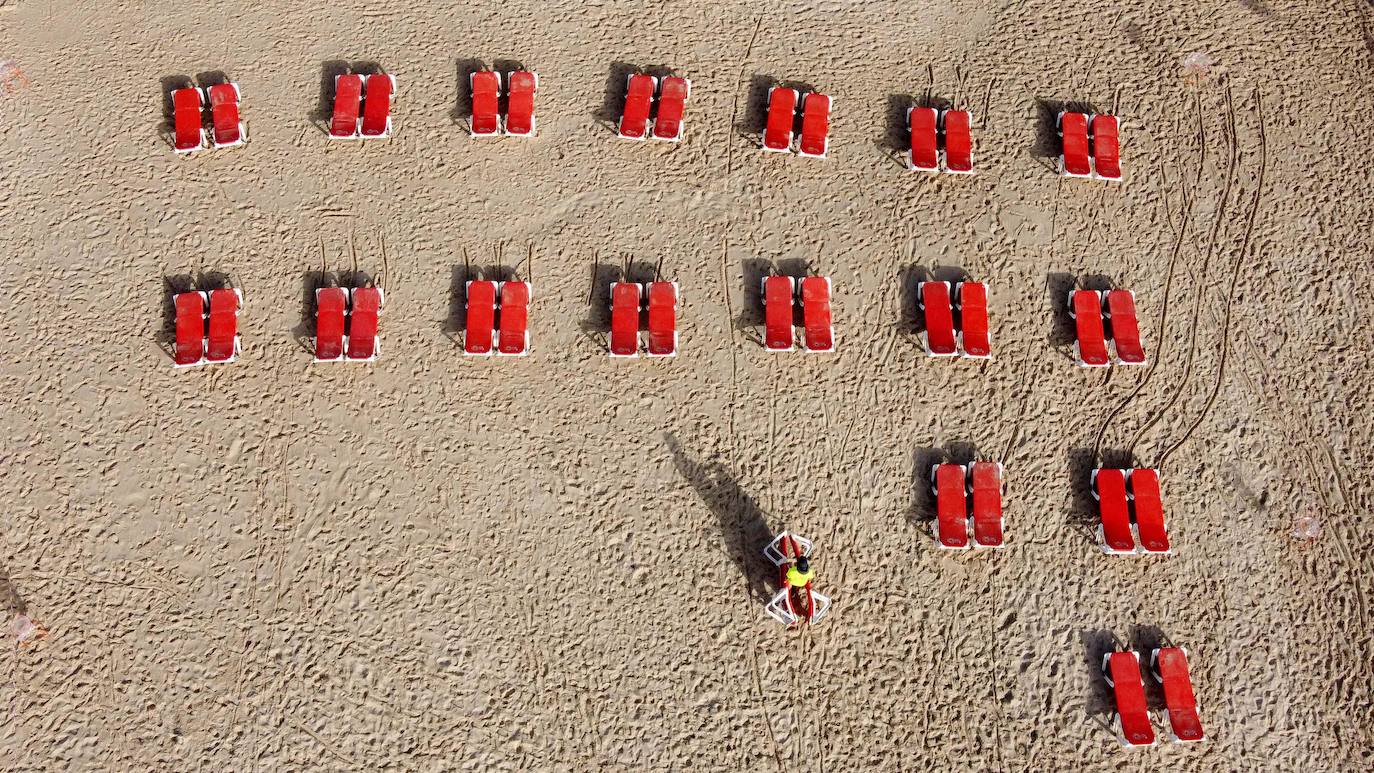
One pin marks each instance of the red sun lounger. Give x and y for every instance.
(348, 96)
(819, 333)
(639, 100)
(951, 508)
(974, 338)
(377, 105)
(362, 323)
(520, 111)
(515, 319)
(1170, 667)
(224, 112)
(1073, 160)
(985, 483)
(190, 344)
(331, 303)
(815, 133)
(187, 121)
(672, 103)
(625, 304)
(921, 122)
(1085, 306)
(1106, 148)
(1109, 488)
(958, 142)
(782, 115)
(938, 337)
(481, 317)
(1149, 511)
(1126, 343)
(1132, 719)
(778, 295)
(662, 319)
(486, 99)
(223, 343)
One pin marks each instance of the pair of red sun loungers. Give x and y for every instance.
(938, 304)
(188, 118)
(485, 299)
(346, 323)
(487, 90)
(927, 126)
(371, 97)
(967, 495)
(783, 105)
(780, 293)
(1169, 666)
(639, 100)
(1091, 146)
(1107, 328)
(628, 301)
(207, 327)
(1121, 493)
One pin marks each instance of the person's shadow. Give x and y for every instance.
(742, 525)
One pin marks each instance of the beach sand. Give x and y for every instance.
(552, 563)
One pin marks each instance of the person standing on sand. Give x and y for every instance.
(800, 574)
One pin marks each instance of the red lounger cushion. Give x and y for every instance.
(515, 302)
(330, 306)
(782, 114)
(819, 334)
(224, 325)
(1110, 486)
(1092, 336)
(1125, 327)
(625, 304)
(362, 323)
(815, 134)
(224, 110)
(1172, 665)
(639, 99)
(520, 111)
(1149, 511)
(672, 103)
(1106, 147)
(940, 339)
(348, 95)
(921, 121)
(481, 318)
(1074, 128)
(973, 319)
(187, 119)
(985, 478)
(1130, 699)
(486, 96)
(777, 309)
(958, 142)
(377, 105)
(662, 319)
(190, 343)
(951, 507)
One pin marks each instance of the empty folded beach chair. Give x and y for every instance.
(1149, 511)
(348, 98)
(922, 122)
(672, 103)
(1132, 717)
(366, 303)
(520, 106)
(331, 306)
(1170, 667)
(189, 348)
(626, 300)
(481, 317)
(377, 105)
(1126, 345)
(958, 142)
(951, 506)
(188, 121)
(1106, 147)
(1109, 488)
(486, 103)
(974, 338)
(1090, 346)
(985, 487)
(815, 132)
(639, 100)
(938, 338)
(778, 295)
(222, 345)
(515, 329)
(818, 334)
(662, 319)
(226, 128)
(782, 116)
(1073, 158)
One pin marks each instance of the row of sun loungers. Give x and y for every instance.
(1106, 327)
(781, 294)
(518, 89)
(1131, 720)
(1132, 511)
(631, 303)
(939, 304)
(371, 97)
(783, 107)
(1090, 146)
(207, 325)
(189, 113)
(672, 93)
(346, 323)
(485, 301)
(968, 498)
(928, 127)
